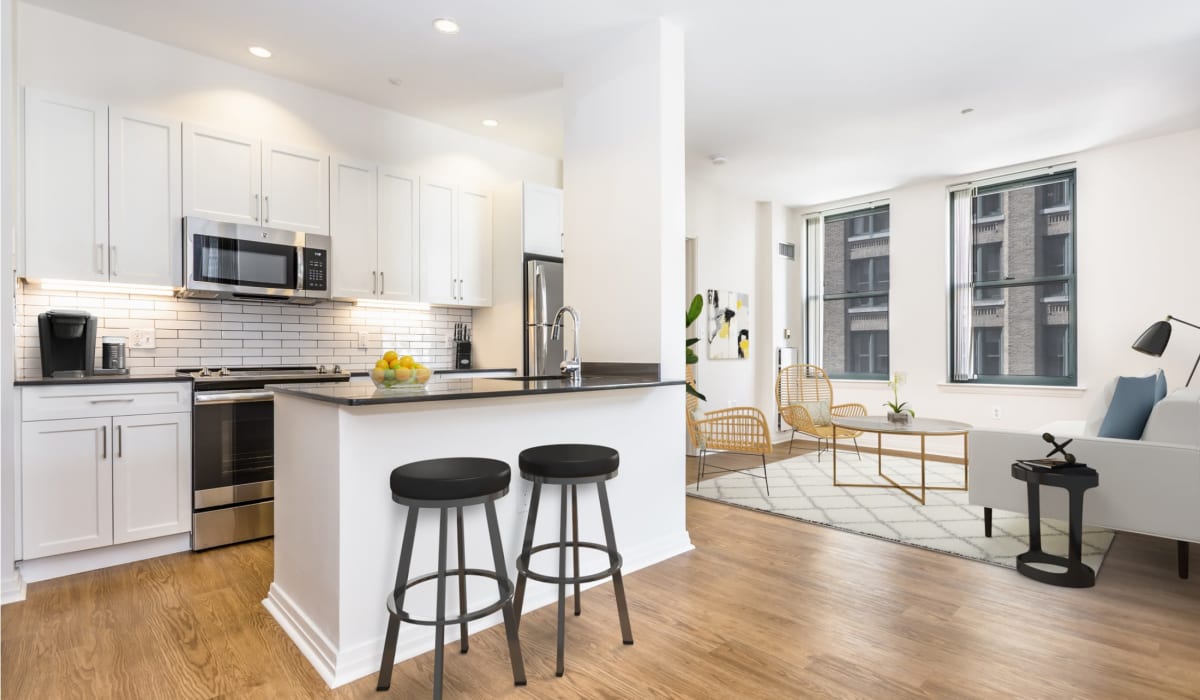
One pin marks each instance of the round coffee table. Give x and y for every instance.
(922, 427)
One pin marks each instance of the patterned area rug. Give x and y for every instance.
(802, 488)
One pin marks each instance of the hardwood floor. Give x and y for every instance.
(765, 607)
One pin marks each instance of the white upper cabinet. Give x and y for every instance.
(439, 276)
(145, 235)
(474, 249)
(221, 176)
(66, 188)
(542, 219)
(295, 187)
(151, 476)
(353, 230)
(399, 235)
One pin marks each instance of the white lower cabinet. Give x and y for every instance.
(93, 480)
(66, 486)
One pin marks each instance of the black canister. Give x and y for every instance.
(113, 352)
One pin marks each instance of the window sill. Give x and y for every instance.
(861, 382)
(1013, 389)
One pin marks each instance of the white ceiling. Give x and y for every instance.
(810, 101)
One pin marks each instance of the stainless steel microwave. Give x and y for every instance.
(238, 261)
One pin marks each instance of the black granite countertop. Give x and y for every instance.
(445, 388)
(473, 370)
(167, 375)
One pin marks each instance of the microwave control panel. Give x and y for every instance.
(316, 267)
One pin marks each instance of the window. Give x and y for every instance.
(1013, 304)
(849, 273)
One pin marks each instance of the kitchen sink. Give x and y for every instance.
(533, 378)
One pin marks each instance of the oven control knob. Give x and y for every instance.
(204, 372)
(337, 369)
(322, 370)
(224, 372)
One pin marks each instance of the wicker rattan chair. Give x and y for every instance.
(797, 384)
(742, 429)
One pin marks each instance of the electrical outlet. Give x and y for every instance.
(142, 338)
(364, 340)
(996, 412)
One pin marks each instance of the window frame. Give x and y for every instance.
(1069, 176)
(815, 295)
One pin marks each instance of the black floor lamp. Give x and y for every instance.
(1154, 340)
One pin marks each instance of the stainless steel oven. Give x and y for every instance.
(228, 261)
(233, 450)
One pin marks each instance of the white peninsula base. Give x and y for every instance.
(337, 530)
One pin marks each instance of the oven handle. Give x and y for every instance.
(211, 398)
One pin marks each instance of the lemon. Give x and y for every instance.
(382, 364)
(403, 374)
(390, 355)
(408, 362)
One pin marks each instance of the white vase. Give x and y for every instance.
(899, 418)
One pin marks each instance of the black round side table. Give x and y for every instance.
(1076, 479)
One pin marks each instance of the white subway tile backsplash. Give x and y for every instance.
(197, 333)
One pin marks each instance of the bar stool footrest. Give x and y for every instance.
(509, 589)
(615, 557)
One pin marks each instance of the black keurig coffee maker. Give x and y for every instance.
(68, 340)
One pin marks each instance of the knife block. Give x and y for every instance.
(462, 355)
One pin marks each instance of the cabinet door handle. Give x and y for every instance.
(120, 442)
(112, 260)
(99, 256)
(562, 243)
(267, 208)
(374, 282)
(382, 282)
(104, 442)
(256, 206)
(111, 401)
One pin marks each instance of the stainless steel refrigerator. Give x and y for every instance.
(543, 298)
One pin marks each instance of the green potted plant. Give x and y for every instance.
(693, 313)
(899, 412)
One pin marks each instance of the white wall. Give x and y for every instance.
(64, 54)
(723, 225)
(1137, 254)
(10, 585)
(623, 183)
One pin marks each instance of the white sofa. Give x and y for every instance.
(1149, 486)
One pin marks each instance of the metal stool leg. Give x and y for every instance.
(575, 537)
(765, 479)
(464, 646)
(439, 650)
(393, 629)
(530, 522)
(562, 584)
(510, 622)
(618, 586)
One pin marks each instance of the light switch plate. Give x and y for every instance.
(142, 338)
(364, 340)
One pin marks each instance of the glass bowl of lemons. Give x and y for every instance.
(393, 371)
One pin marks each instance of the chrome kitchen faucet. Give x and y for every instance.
(573, 368)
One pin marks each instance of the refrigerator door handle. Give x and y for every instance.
(539, 290)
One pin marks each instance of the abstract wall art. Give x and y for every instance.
(728, 325)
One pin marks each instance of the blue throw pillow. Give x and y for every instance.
(1132, 401)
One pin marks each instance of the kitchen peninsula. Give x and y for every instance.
(337, 531)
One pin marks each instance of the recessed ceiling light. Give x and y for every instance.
(490, 122)
(718, 159)
(396, 81)
(967, 110)
(260, 52)
(445, 25)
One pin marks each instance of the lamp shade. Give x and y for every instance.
(1154, 340)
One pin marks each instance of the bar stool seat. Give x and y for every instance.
(569, 461)
(445, 484)
(570, 465)
(449, 479)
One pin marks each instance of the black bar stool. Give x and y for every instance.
(456, 482)
(570, 465)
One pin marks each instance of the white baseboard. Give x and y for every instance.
(12, 590)
(44, 568)
(341, 666)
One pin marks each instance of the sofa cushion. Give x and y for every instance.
(1132, 401)
(1176, 419)
(1100, 407)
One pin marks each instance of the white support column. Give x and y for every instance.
(623, 183)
